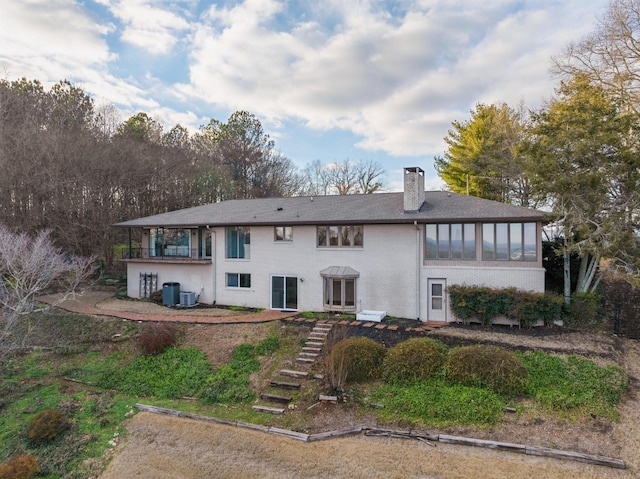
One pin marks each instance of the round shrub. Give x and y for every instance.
(413, 360)
(355, 360)
(487, 366)
(155, 338)
(24, 466)
(46, 425)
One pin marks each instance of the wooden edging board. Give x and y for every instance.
(444, 438)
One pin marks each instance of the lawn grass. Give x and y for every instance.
(116, 377)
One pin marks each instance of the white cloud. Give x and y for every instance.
(398, 82)
(48, 39)
(154, 29)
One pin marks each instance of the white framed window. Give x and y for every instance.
(283, 233)
(238, 280)
(340, 236)
(238, 239)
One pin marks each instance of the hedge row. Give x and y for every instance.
(484, 304)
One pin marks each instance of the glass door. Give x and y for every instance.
(284, 292)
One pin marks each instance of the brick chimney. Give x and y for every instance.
(413, 188)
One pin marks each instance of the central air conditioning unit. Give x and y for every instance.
(187, 299)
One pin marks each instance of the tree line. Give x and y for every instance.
(577, 157)
(74, 169)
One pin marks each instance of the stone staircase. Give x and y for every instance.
(290, 379)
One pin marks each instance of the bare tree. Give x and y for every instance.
(343, 178)
(30, 267)
(610, 55)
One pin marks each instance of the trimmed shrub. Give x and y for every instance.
(414, 360)
(485, 304)
(46, 425)
(487, 366)
(354, 360)
(155, 338)
(24, 466)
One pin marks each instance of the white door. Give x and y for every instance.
(437, 309)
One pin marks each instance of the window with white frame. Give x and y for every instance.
(238, 280)
(283, 233)
(341, 236)
(238, 239)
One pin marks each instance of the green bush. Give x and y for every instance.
(354, 360)
(487, 366)
(414, 360)
(485, 304)
(155, 338)
(24, 466)
(46, 425)
(586, 310)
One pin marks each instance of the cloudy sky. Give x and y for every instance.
(329, 79)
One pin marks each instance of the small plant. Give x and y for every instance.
(24, 466)
(156, 297)
(354, 360)
(414, 359)
(46, 425)
(488, 366)
(155, 338)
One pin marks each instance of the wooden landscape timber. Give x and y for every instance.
(422, 436)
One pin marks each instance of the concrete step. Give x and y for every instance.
(294, 374)
(313, 344)
(284, 385)
(303, 360)
(306, 354)
(268, 409)
(321, 329)
(309, 349)
(275, 398)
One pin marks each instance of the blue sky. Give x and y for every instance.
(329, 79)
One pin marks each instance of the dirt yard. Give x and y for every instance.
(166, 447)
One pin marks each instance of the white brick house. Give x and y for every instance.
(393, 252)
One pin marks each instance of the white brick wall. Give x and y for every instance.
(388, 265)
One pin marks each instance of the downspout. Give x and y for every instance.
(213, 264)
(415, 223)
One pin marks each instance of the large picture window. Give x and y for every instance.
(343, 236)
(509, 242)
(238, 241)
(169, 242)
(451, 241)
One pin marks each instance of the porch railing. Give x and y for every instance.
(163, 253)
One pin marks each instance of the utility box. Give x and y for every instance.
(170, 294)
(187, 299)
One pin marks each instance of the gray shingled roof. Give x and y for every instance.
(440, 206)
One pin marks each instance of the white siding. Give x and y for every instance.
(389, 263)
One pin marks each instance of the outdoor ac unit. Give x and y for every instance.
(187, 299)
